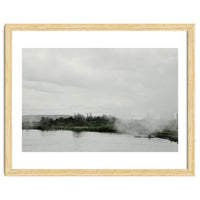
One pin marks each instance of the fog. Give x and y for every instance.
(146, 126)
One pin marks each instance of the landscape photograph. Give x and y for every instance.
(99, 99)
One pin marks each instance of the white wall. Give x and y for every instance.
(104, 11)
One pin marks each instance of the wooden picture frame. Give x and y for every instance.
(190, 171)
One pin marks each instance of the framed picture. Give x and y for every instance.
(99, 99)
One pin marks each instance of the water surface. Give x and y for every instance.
(69, 141)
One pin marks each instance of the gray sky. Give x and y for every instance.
(121, 82)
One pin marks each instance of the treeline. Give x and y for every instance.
(104, 123)
(76, 123)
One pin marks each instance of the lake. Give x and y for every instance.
(69, 141)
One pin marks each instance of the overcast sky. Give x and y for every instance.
(127, 83)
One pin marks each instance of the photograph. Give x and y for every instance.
(100, 99)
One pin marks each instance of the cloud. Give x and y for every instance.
(122, 82)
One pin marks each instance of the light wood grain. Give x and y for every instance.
(191, 99)
(190, 171)
(8, 99)
(100, 27)
(99, 172)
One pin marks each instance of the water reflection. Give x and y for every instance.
(69, 141)
(77, 134)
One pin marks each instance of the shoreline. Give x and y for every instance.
(171, 136)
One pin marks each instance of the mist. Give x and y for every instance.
(146, 126)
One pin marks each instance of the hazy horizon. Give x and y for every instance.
(126, 83)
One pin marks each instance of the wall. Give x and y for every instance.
(104, 11)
